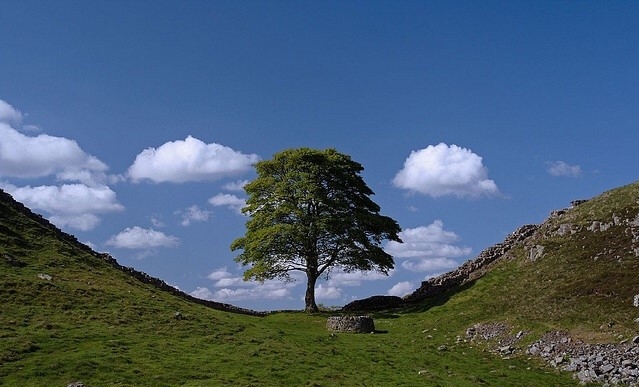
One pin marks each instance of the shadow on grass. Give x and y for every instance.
(412, 307)
(436, 300)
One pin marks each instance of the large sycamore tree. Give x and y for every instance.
(310, 211)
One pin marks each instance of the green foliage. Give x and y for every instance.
(311, 211)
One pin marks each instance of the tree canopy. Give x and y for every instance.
(311, 211)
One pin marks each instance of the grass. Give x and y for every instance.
(95, 324)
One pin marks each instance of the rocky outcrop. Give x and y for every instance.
(471, 269)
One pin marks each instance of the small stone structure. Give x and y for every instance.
(355, 324)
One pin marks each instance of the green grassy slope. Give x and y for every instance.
(93, 323)
(585, 278)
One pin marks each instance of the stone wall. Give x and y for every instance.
(472, 268)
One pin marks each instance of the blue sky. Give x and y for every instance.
(133, 124)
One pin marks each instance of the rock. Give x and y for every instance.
(606, 368)
(535, 253)
(13, 261)
(355, 324)
(76, 384)
(635, 300)
(506, 349)
(442, 348)
(635, 339)
(45, 277)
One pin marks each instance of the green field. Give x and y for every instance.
(93, 323)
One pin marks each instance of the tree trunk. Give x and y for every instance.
(309, 298)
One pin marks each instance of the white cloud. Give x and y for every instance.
(189, 160)
(229, 282)
(560, 168)
(220, 273)
(193, 214)
(203, 293)
(430, 265)
(440, 170)
(232, 287)
(427, 248)
(355, 278)
(327, 292)
(139, 238)
(240, 294)
(73, 205)
(27, 157)
(401, 289)
(156, 221)
(9, 114)
(426, 241)
(232, 202)
(236, 185)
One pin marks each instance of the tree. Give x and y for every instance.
(310, 211)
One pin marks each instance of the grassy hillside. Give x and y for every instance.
(584, 279)
(93, 323)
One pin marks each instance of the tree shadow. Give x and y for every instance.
(436, 300)
(414, 306)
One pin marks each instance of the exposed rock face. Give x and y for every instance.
(355, 324)
(471, 269)
(374, 303)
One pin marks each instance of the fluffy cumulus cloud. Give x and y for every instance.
(355, 278)
(73, 205)
(37, 156)
(236, 185)
(193, 214)
(561, 168)
(9, 114)
(264, 292)
(401, 289)
(440, 170)
(23, 156)
(327, 292)
(232, 202)
(427, 248)
(140, 238)
(189, 160)
(229, 287)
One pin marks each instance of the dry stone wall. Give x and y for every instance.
(465, 272)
